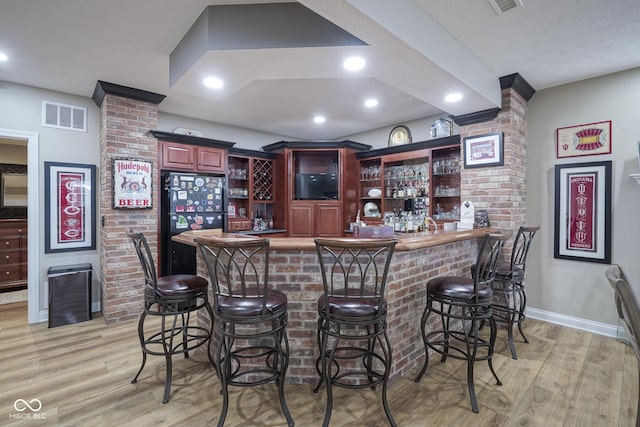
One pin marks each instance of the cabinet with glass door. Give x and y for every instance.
(371, 191)
(445, 184)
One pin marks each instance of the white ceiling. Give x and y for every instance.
(417, 51)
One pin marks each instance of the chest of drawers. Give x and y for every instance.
(13, 253)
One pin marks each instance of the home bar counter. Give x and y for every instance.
(418, 257)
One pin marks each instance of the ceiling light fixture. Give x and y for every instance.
(213, 82)
(370, 103)
(3, 57)
(319, 119)
(354, 63)
(453, 97)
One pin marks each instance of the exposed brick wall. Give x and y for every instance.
(297, 273)
(124, 126)
(501, 190)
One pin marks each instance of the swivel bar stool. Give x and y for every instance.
(510, 298)
(352, 317)
(467, 302)
(250, 318)
(173, 298)
(628, 312)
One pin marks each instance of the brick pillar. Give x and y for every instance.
(126, 116)
(502, 190)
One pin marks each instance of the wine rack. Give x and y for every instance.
(262, 180)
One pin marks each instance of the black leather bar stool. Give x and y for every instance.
(352, 327)
(173, 298)
(250, 318)
(510, 298)
(464, 303)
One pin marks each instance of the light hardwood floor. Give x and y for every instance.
(81, 374)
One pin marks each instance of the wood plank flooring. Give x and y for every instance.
(82, 374)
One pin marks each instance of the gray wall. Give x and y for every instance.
(576, 289)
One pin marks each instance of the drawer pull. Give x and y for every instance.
(7, 257)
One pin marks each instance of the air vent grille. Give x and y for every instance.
(502, 6)
(64, 116)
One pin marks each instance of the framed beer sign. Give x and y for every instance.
(583, 212)
(132, 184)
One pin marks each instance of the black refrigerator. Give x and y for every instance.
(189, 202)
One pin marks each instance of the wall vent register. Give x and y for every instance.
(64, 116)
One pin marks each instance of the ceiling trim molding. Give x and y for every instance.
(190, 139)
(477, 117)
(516, 82)
(315, 144)
(251, 153)
(430, 143)
(103, 88)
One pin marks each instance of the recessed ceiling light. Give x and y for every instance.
(370, 103)
(354, 63)
(453, 97)
(3, 57)
(213, 82)
(319, 119)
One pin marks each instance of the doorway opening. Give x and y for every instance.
(23, 139)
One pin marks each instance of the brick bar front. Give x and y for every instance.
(294, 269)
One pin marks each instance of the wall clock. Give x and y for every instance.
(399, 135)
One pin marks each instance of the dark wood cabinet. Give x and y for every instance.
(320, 186)
(13, 253)
(422, 179)
(192, 158)
(328, 220)
(302, 220)
(251, 192)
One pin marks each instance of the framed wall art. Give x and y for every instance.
(70, 207)
(583, 140)
(483, 150)
(132, 184)
(583, 212)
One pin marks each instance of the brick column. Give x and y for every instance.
(126, 116)
(501, 190)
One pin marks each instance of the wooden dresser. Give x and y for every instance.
(13, 253)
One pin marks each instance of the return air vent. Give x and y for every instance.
(64, 116)
(502, 6)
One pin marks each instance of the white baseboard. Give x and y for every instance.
(574, 322)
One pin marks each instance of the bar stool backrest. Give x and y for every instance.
(488, 254)
(238, 267)
(521, 246)
(626, 303)
(146, 260)
(354, 268)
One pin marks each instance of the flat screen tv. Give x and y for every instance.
(316, 186)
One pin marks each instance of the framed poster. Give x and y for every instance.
(583, 140)
(483, 150)
(583, 212)
(132, 184)
(70, 207)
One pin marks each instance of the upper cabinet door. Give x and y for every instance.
(212, 160)
(178, 156)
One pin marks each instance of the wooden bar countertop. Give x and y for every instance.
(406, 241)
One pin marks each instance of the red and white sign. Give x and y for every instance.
(582, 212)
(71, 207)
(131, 184)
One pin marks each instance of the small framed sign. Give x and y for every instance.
(132, 184)
(483, 150)
(583, 140)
